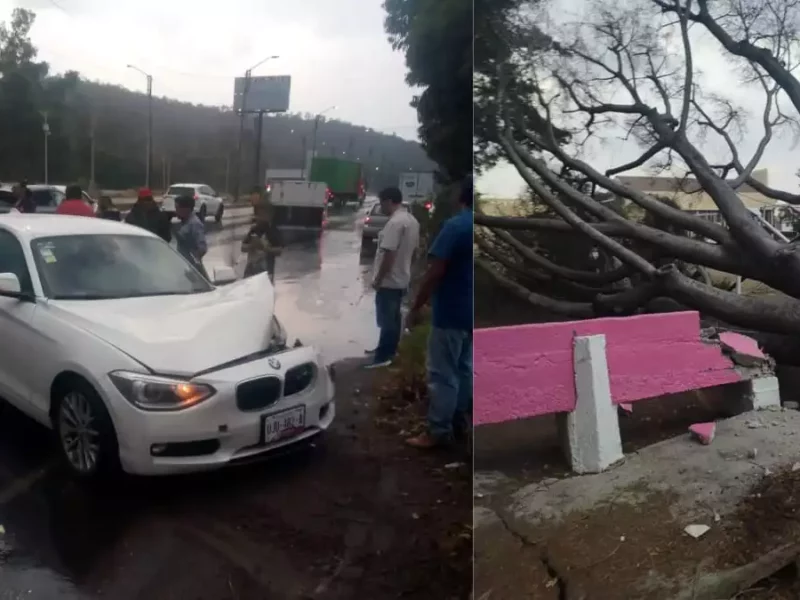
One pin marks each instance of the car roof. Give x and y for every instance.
(187, 184)
(29, 226)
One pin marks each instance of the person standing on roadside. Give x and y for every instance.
(262, 244)
(25, 202)
(146, 214)
(397, 242)
(107, 210)
(74, 204)
(191, 233)
(449, 280)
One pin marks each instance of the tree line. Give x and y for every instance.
(100, 130)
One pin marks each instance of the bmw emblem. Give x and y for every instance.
(274, 363)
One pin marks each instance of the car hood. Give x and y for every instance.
(181, 335)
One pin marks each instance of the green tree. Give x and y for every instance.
(436, 36)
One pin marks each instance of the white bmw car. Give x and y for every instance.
(135, 360)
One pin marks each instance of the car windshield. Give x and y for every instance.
(177, 190)
(99, 267)
(7, 198)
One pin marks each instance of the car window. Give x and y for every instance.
(45, 197)
(180, 190)
(376, 211)
(209, 191)
(12, 260)
(93, 267)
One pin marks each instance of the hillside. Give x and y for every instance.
(191, 142)
(196, 142)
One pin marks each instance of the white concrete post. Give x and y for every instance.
(592, 429)
(765, 392)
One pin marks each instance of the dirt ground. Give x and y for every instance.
(376, 520)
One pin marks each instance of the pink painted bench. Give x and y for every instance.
(582, 369)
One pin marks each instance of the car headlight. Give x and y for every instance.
(277, 336)
(151, 392)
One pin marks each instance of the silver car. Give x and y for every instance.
(375, 220)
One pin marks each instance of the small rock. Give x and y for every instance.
(752, 454)
(697, 531)
(622, 538)
(767, 472)
(717, 518)
(796, 467)
(703, 432)
(791, 405)
(754, 424)
(453, 465)
(549, 481)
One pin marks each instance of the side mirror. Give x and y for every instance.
(223, 275)
(9, 284)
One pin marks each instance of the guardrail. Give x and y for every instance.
(583, 370)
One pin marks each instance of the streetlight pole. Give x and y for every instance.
(316, 127)
(46, 131)
(149, 158)
(242, 111)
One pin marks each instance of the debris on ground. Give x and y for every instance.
(697, 531)
(703, 432)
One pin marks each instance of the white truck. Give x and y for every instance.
(417, 187)
(298, 204)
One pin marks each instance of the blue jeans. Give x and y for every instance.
(449, 380)
(390, 321)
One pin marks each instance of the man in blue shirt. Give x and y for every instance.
(449, 280)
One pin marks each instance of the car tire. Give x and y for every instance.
(78, 406)
(220, 212)
(202, 213)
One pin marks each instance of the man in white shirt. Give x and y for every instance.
(397, 242)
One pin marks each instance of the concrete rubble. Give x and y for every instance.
(672, 486)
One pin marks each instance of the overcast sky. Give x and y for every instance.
(716, 74)
(335, 50)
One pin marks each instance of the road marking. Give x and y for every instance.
(22, 484)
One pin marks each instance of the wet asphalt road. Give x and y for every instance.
(61, 542)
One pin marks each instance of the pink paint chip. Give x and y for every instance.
(703, 432)
(626, 407)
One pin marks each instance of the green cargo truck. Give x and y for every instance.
(344, 178)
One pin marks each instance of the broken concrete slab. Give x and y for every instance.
(703, 432)
(648, 500)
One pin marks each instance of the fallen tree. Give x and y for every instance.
(630, 70)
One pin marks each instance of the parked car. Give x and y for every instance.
(47, 197)
(375, 220)
(207, 201)
(135, 360)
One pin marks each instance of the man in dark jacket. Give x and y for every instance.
(25, 202)
(146, 214)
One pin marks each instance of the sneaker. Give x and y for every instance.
(378, 365)
(425, 441)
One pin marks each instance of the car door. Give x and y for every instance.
(47, 199)
(20, 339)
(210, 199)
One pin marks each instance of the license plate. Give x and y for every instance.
(282, 425)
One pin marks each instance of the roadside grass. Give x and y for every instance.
(402, 389)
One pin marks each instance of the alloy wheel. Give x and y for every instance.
(78, 433)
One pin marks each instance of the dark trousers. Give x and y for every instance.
(388, 302)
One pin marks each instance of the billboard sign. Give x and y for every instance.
(264, 94)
